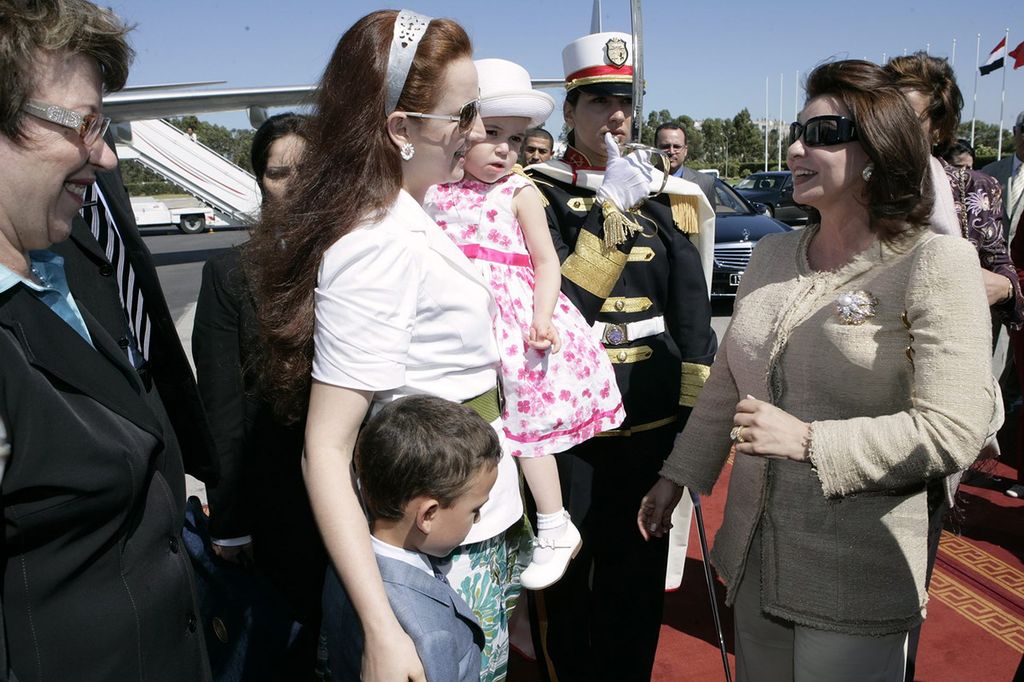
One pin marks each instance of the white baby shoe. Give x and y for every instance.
(551, 556)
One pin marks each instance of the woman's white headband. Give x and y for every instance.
(409, 29)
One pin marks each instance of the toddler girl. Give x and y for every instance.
(559, 385)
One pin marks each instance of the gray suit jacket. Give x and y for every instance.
(447, 636)
(1001, 170)
(703, 180)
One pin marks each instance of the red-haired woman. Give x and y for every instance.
(360, 290)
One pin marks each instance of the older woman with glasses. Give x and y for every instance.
(96, 584)
(854, 370)
(363, 299)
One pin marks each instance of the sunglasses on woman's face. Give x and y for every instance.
(823, 131)
(465, 118)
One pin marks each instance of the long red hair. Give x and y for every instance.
(351, 172)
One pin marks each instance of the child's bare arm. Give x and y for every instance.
(530, 212)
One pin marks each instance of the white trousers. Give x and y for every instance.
(770, 649)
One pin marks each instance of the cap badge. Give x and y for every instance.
(616, 52)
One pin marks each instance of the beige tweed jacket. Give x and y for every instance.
(844, 538)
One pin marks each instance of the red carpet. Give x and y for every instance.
(975, 624)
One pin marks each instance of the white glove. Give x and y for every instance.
(627, 179)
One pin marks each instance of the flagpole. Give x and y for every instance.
(974, 106)
(952, 60)
(1002, 101)
(796, 95)
(778, 160)
(766, 123)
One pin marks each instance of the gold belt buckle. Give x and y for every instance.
(614, 334)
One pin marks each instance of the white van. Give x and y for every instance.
(150, 211)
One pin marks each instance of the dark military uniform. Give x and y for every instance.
(651, 295)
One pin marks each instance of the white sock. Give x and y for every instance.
(552, 525)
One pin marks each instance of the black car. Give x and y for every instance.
(738, 226)
(774, 189)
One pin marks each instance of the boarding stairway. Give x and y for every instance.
(231, 191)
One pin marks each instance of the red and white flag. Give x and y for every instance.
(1018, 56)
(995, 59)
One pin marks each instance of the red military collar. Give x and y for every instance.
(578, 160)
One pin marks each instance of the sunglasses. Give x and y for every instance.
(823, 131)
(90, 127)
(465, 118)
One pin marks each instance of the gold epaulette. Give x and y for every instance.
(518, 170)
(691, 383)
(617, 225)
(684, 212)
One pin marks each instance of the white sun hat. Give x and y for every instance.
(505, 90)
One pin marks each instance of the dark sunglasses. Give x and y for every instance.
(823, 131)
(465, 118)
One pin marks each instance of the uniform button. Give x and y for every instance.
(619, 305)
(192, 622)
(173, 544)
(106, 270)
(123, 342)
(621, 356)
(220, 630)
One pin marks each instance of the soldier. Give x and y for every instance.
(637, 277)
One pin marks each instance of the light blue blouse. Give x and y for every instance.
(48, 267)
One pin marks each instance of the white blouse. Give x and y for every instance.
(401, 311)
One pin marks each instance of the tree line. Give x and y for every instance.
(735, 146)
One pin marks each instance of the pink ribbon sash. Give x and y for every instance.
(478, 252)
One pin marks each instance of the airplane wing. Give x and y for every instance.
(141, 105)
(149, 102)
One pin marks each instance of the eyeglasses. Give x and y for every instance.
(671, 147)
(465, 118)
(90, 127)
(823, 131)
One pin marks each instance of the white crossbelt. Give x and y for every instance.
(612, 334)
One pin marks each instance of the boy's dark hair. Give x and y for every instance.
(421, 446)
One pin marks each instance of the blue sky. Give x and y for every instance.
(705, 59)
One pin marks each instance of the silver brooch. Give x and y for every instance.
(853, 307)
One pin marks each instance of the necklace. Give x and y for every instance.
(45, 282)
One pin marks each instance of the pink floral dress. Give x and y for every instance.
(553, 401)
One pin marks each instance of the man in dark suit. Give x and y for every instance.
(110, 271)
(671, 139)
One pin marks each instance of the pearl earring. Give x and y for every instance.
(407, 151)
(866, 173)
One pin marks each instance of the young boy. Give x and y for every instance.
(425, 467)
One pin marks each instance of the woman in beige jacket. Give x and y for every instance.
(855, 369)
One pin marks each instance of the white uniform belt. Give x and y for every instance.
(611, 334)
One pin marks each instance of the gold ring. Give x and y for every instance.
(737, 434)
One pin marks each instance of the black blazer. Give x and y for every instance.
(92, 282)
(261, 491)
(96, 583)
(704, 181)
